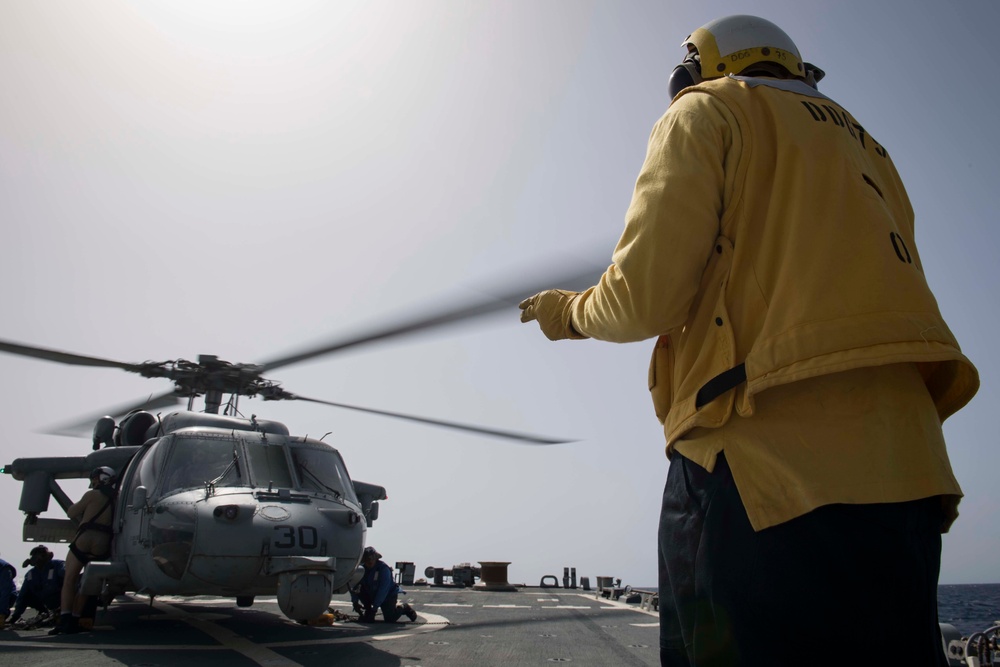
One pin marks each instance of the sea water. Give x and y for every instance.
(969, 607)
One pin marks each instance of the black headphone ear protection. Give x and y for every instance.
(688, 73)
(813, 74)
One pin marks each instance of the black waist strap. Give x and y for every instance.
(720, 384)
(99, 527)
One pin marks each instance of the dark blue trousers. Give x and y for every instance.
(842, 585)
(390, 611)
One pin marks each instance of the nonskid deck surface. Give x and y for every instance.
(533, 626)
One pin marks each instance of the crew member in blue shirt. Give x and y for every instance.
(8, 590)
(42, 583)
(378, 590)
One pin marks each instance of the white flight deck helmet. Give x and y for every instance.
(102, 475)
(735, 44)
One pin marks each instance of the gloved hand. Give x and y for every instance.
(553, 309)
(357, 609)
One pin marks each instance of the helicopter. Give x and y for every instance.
(219, 504)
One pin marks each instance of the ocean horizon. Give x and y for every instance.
(969, 607)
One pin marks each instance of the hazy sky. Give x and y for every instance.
(246, 178)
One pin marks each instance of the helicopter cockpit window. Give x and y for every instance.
(149, 470)
(270, 466)
(320, 469)
(196, 460)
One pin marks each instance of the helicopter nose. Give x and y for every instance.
(172, 535)
(304, 595)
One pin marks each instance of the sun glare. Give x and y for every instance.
(243, 15)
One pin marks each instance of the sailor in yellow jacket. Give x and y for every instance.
(802, 369)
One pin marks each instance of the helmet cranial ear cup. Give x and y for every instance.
(684, 75)
(813, 74)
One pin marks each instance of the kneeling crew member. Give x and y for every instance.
(8, 590)
(378, 590)
(42, 583)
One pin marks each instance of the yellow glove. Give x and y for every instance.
(553, 309)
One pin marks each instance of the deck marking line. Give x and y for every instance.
(433, 623)
(506, 606)
(434, 620)
(566, 606)
(444, 604)
(645, 625)
(117, 647)
(263, 656)
(617, 604)
(223, 602)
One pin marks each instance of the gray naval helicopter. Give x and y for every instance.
(215, 504)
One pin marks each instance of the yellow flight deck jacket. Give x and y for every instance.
(767, 227)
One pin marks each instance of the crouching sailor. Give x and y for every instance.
(8, 590)
(41, 587)
(378, 590)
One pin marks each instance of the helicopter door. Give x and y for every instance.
(135, 502)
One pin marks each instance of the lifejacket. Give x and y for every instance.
(109, 493)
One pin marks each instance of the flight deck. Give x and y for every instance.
(454, 626)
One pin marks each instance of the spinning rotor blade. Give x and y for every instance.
(84, 425)
(443, 317)
(520, 437)
(63, 357)
(210, 374)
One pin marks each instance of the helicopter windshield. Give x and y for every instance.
(269, 465)
(321, 470)
(198, 459)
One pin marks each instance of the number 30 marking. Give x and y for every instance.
(307, 537)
